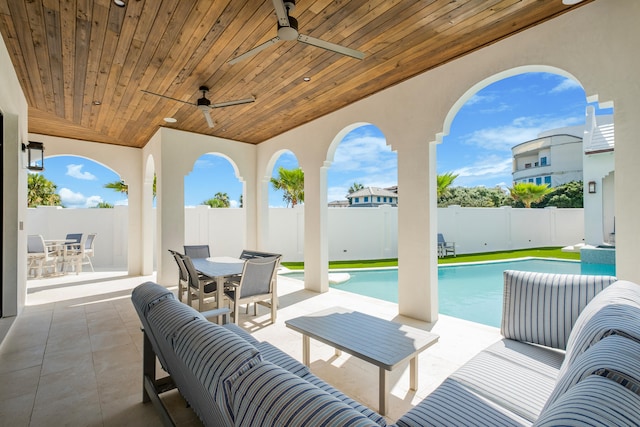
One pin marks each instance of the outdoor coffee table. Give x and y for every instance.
(381, 342)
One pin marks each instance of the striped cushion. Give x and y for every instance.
(213, 354)
(321, 384)
(616, 310)
(268, 395)
(541, 308)
(613, 353)
(148, 294)
(516, 376)
(595, 401)
(453, 404)
(241, 332)
(282, 359)
(168, 316)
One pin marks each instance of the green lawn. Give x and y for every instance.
(551, 252)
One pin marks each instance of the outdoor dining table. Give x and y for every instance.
(219, 269)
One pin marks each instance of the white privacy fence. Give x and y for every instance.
(354, 233)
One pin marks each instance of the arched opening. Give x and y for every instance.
(92, 199)
(523, 125)
(214, 201)
(363, 179)
(283, 183)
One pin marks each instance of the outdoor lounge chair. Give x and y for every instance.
(445, 248)
(257, 285)
(197, 251)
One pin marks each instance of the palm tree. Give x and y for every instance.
(41, 191)
(220, 200)
(118, 186)
(445, 181)
(291, 181)
(121, 187)
(355, 187)
(104, 205)
(528, 192)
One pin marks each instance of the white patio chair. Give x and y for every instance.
(87, 250)
(39, 256)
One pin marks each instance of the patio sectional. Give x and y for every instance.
(570, 356)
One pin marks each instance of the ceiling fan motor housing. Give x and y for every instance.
(290, 32)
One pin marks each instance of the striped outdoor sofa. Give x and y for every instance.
(570, 356)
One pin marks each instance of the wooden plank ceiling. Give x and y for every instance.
(83, 64)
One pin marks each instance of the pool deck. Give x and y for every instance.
(75, 353)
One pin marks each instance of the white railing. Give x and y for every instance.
(354, 233)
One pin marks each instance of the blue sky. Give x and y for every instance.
(478, 148)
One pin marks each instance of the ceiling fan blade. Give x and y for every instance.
(331, 46)
(167, 97)
(205, 111)
(255, 50)
(281, 13)
(230, 103)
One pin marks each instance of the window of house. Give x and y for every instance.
(527, 165)
(530, 179)
(538, 180)
(543, 161)
(366, 199)
(535, 164)
(547, 180)
(357, 200)
(378, 199)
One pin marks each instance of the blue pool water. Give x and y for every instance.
(471, 291)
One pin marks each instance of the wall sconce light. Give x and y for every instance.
(592, 187)
(35, 155)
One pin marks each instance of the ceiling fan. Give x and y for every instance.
(288, 30)
(204, 104)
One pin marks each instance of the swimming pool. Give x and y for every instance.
(467, 291)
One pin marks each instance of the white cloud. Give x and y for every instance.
(123, 202)
(75, 171)
(486, 167)
(363, 153)
(71, 199)
(234, 204)
(477, 99)
(521, 129)
(566, 84)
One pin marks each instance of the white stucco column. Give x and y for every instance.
(417, 229)
(627, 203)
(169, 209)
(316, 246)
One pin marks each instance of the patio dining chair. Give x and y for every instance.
(87, 250)
(199, 286)
(39, 256)
(257, 285)
(197, 251)
(183, 275)
(445, 248)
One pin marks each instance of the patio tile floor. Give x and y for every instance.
(74, 356)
